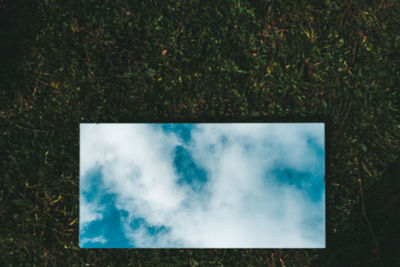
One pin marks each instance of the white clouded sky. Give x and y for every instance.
(243, 185)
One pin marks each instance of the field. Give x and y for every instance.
(67, 62)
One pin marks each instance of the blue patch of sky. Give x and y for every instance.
(310, 182)
(182, 130)
(110, 225)
(152, 230)
(189, 172)
(318, 149)
(91, 186)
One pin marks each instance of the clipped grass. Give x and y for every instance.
(66, 62)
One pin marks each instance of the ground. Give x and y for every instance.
(67, 62)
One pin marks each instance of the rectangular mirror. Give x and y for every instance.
(202, 185)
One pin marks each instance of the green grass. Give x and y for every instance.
(67, 62)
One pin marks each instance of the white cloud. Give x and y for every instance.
(89, 212)
(98, 239)
(242, 204)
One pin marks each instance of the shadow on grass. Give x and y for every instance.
(373, 239)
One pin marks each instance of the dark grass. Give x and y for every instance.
(66, 62)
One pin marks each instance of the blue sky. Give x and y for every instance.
(226, 185)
